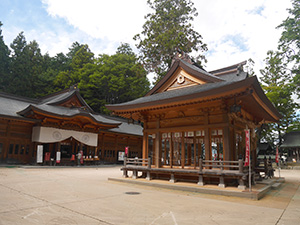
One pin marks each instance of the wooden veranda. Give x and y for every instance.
(194, 122)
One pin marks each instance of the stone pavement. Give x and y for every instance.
(83, 195)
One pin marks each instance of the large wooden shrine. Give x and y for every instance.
(193, 114)
(62, 122)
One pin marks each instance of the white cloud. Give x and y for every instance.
(113, 20)
(254, 21)
(235, 30)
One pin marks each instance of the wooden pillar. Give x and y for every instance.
(182, 150)
(218, 151)
(158, 145)
(7, 140)
(189, 154)
(207, 144)
(171, 150)
(102, 146)
(157, 150)
(116, 149)
(227, 144)
(145, 146)
(165, 151)
(195, 150)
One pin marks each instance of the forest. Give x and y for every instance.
(109, 79)
(103, 79)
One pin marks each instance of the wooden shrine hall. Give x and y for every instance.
(62, 125)
(194, 123)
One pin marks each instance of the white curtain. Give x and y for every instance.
(51, 135)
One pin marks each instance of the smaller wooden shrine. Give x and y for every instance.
(63, 124)
(193, 115)
(291, 143)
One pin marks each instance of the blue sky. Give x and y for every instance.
(234, 30)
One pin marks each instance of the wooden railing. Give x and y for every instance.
(207, 168)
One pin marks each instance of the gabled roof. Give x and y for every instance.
(192, 70)
(65, 104)
(63, 96)
(291, 140)
(219, 84)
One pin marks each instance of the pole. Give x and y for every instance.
(277, 159)
(248, 155)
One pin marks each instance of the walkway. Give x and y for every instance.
(31, 195)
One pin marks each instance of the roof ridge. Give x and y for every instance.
(228, 67)
(20, 98)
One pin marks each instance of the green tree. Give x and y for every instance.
(20, 68)
(165, 30)
(72, 76)
(113, 79)
(4, 62)
(289, 43)
(279, 89)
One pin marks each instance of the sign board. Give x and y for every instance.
(39, 154)
(47, 156)
(121, 156)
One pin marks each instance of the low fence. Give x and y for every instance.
(207, 168)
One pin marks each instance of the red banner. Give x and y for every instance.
(277, 156)
(126, 151)
(247, 156)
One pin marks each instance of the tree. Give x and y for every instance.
(113, 79)
(279, 89)
(72, 76)
(165, 30)
(289, 43)
(4, 62)
(20, 69)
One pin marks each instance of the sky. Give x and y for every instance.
(234, 30)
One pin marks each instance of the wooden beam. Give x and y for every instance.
(186, 128)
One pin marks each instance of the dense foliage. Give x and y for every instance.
(105, 79)
(281, 77)
(166, 29)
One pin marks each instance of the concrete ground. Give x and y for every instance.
(32, 195)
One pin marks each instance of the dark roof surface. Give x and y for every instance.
(17, 107)
(291, 140)
(175, 93)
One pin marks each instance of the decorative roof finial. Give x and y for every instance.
(74, 88)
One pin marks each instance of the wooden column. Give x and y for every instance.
(102, 146)
(189, 154)
(165, 151)
(195, 150)
(157, 146)
(157, 150)
(227, 144)
(116, 149)
(207, 144)
(171, 150)
(182, 150)
(145, 146)
(7, 140)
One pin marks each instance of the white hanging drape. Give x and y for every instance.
(51, 135)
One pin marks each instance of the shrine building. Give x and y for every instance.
(63, 122)
(192, 114)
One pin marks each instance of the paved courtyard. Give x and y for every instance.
(31, 195)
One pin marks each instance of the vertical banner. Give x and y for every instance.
(39, 154)
(247, 154)
(58, 157)
(277, 156)
(126, 151)
(277, 160)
